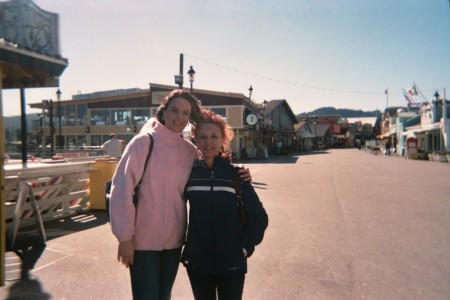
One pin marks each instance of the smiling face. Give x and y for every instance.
(209, 141)
(177, 114)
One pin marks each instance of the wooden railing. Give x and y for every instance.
(56, 190)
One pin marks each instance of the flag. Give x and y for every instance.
(386, 91)
(408, 97)
(412, 91)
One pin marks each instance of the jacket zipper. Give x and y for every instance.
(215, 242)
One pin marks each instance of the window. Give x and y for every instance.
(100, 117)
(81, 141)
(81, 114)
(121, 117)
(125, 137)
(96, 140)
(220, 111)
(59, 115)
(140, 116)
(71, 112)
(70, 142)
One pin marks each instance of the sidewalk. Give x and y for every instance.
(78, 262)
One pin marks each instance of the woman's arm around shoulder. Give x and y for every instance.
(257, 219)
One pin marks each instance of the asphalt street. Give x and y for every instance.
(343, 224)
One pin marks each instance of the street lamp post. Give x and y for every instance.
(315, 132)
(191, 73)
(52, 129)
(58, 96)
(263, 121)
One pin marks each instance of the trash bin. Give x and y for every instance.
(104, 171)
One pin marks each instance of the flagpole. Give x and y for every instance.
(387, 97)
(445, 128)
(420, 92)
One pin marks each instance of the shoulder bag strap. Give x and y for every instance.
(240, 202)
(150, 149)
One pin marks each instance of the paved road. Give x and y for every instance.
(350, 225)
(343, 225)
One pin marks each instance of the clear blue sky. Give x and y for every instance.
(341, 53)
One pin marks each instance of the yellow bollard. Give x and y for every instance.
(104, 171)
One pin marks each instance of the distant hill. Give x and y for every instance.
(343, 112)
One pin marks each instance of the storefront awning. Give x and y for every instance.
(424, 128)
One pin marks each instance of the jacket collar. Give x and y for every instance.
(217, 164)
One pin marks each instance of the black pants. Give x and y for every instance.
(153, 273)
(212, 287)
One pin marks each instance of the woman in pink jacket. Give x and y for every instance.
(152, 233)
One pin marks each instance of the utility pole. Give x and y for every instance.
(179, 76)
(387, 97)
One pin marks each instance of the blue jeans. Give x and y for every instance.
(153, 273)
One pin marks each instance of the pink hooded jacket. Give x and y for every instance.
(160, 219)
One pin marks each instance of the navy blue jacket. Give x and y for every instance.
(216, 235)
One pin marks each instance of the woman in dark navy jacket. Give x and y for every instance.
(218, 242)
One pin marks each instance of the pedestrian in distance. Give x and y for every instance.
(221, 237)
(152, 232)
(113, 147)
(388, 147)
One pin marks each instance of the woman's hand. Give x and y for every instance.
(245, 173)
(125, 254)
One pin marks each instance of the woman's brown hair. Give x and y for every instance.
(178, 93)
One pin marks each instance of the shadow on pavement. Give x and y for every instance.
(273, 159)
(259, 185)
(29, 248)
(27, 289)
(316, 152)
(65, 226)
